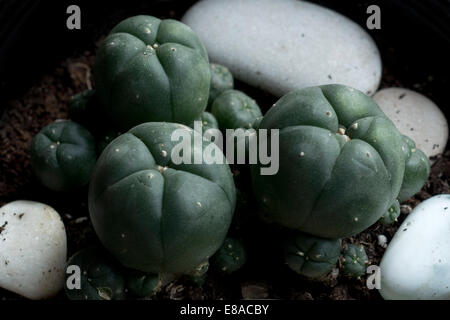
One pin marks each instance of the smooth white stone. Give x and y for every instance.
(415, 116)
(416, 264)
(284, 45)
(33, 249)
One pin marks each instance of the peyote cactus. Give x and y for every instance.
(198, 275)
(101, 276)
(80, 106)
(221, 80)
(341, 162)
(417, 170)
(142, 284)
(230, 257)
(149, 69)
(208, 121)
(234, 109)
(354, 261)
(153, 214)
(311, 256)
(391, 215)
(63, 156)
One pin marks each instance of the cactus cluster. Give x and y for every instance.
(343, 163)
(343, 166)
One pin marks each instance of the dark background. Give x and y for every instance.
(414, 39)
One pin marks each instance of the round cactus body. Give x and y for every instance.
(354, 261)
(100, 276)
(230, 257)
(63, 156)
(153, 214)
(311, 256)
(149, 69)
(234, 109)
(221, 80)
(341, 162)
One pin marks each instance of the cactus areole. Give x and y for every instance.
(156, 216)
(149, 69)
(343, 163)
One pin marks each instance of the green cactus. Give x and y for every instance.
(151, 70)
(79, 106)
(311, 256)
(230, 257)
(63, 156)
(354, 261)
(142, 284)
(391, 215)
(177, 214)
(208, 121)
(221, 81)
(234, 109)
(341, 162)
(417, 170)
(101, 276)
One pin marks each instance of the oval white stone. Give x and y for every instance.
(416, 264)
(415, 116)
(33, 249)
(284, 45)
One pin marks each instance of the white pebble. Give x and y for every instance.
(33, 249)
(382, 241)
(286, 44)
(416, 264)
(415, 116)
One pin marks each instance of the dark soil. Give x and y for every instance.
(264, 276)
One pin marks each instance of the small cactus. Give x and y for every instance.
(198, 275)
(417, 169)
(311, 256)
(101, 276)
(79, 106)
(230, 257)
(208, 121)
(63, 156)
(142, 284)
(391, 215)
(354, 261)
(221, 80)
(234, 109)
